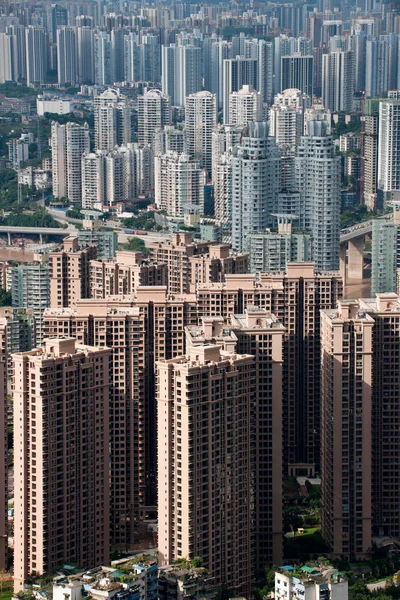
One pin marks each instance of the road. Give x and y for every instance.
(38, 230)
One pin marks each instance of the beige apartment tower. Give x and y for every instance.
(61, 457)
(206, 462)
(360, 430)
(140, 329)
(258, 333)
(69, 272)
(3, 445)
(192, 262)
(346, 433)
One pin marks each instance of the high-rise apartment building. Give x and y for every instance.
(57, 16)
(68, 143)
(265, 61)
(369, 152)
(69, 272)
(67, 56)
(337, 81)
(112, 120)
(318, 180)
(178, 183)
(85, 54)
(297, 72)
(176, 254)
(256, 179)
(360, 361)
(385, 253)
(220, 50)
(141, 329)
(260, 334)
(61, 396)
(224, 138)
(150, 58)
(181, 72)
(215, 264)
(200, 121)
(346, 428)
(167, 139)
(273, 250)
(388, 159)
(206, 463)
(154, 112)
(124, 274)
(7, 63)
(3, 445)
(93, 179)
(237, 72)
(31, 289)
(36, 56)
(297, 299)
(245, 106)
(20, 331)
(116, 176)
(222, 178)
(102, 58)
(286, 118)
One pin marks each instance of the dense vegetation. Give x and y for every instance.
(356, 214)
(13, 90)
(136, 245)
(143, 220)
(5, 297)
(38, 218)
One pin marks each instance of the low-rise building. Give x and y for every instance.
(178, 582)
(309, 583)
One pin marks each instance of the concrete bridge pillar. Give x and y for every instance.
(9, 238)
(355, 266)
(343, 252)
(40, 238)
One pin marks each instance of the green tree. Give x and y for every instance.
(136, 245)
(5, 297)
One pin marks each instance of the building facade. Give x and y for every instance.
(61, 448)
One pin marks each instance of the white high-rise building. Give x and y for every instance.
(244, 106)
(200, 120)
(93, 179)
(237, 72)
(337, 81)
(388, 155)
(131, 57)
(67, 56)
(102, 58)
(219, 52)
(318, 180)
(255, 183)
(154, 112)
(141, 169)
(223, 192)
(286, 118)
(178, 183)
(7, 65)
(111, 120)
(68, 143)
(224, 138)
(36, 55)
(181, 72)
(116, 176)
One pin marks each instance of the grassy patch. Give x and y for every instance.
(7, 594)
